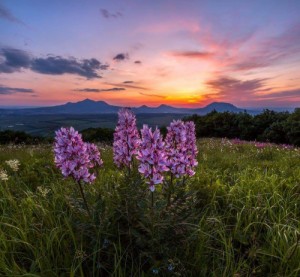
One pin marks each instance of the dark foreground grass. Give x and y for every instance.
(238, 216)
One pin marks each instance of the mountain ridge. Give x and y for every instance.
(88, 106)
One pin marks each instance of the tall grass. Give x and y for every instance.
(238, 216)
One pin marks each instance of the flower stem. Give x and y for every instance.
(152, 219)
(152, 200)
(84, 200)
(170, 190)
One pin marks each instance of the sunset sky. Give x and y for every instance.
(184, 53)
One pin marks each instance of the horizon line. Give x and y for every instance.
(144, 105)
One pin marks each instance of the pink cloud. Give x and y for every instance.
(250, 92)
(192, 54)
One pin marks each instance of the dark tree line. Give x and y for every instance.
(98, 135)
(268, 126)
(90, 135)
(18, 137)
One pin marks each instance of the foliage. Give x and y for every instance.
(268, 126)
(98, 135)
(238, 216)
(18, 137)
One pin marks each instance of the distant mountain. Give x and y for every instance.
(82, 107)
(160, 109)
(88, 106)
(219, 107)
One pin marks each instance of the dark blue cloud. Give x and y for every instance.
(56, 65)
(121, 57)
(99, 90)
(8, 90)
(13, 60)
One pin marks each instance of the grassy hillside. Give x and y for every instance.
(238, 216)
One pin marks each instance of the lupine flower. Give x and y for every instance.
(13, 164)
(3, 175)
(74, 157)
(176, 148)
(126, 139)
(152, 157)
(94, 155)
(181, 148)
(191, 148)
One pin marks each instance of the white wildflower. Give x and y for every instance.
(3, 175)
(13, 164)
(43, 191)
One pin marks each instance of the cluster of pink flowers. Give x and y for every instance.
(176, 148)
(126, 139)
(152, 157)
(176, 154)
(74, 157)
(94, 155)
(181, 149)
(191, 148)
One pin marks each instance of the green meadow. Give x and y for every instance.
(238, 216)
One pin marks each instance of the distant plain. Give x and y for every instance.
(46, 125)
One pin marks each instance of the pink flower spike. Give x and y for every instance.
(151, 156)
(94, 155)
(181, 149)
(126, 139)
(191, 148)
(74, 157)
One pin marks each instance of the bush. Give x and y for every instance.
(268, 126)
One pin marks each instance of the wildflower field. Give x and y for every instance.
(233, 212)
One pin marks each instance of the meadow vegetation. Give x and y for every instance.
(237, 216)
